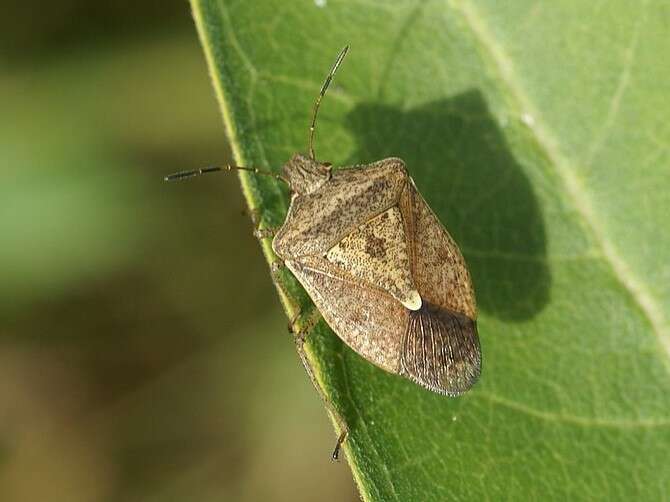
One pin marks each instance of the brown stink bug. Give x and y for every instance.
(381, 269)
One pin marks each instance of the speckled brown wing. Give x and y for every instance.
(441, 348)
(376, 253)
(438, 267)
(371, 321)
(317, 221)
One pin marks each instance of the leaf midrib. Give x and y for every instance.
(501, 64)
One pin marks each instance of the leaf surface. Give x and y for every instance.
(538, 134)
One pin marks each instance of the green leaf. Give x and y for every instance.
(538, 133)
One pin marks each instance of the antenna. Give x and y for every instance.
(181, 175)
(324, 88)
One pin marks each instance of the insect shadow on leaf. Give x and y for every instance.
(460, 161)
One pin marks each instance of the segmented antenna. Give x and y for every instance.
(324, 88)
(181, 175)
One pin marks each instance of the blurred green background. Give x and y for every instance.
(143, 352)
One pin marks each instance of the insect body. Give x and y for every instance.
(382, 270)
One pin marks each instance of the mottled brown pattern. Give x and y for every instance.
(367, 319)
(438, 268)
(375, 247)
(318, 220)
(359, 254)
(382, 270)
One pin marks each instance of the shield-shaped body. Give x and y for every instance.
(382, 270)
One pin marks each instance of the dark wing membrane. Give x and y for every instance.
(440, 350)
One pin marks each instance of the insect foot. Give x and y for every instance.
(276, 267)
(265, 233)
(303, 322)
(340, 441)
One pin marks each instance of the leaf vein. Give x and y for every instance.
(573, 184)
(615, 102)
(567, 418)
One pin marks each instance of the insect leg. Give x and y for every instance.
(268, 233)
(276, 267)
(300, 336)
(265, 233)
(261, 233)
